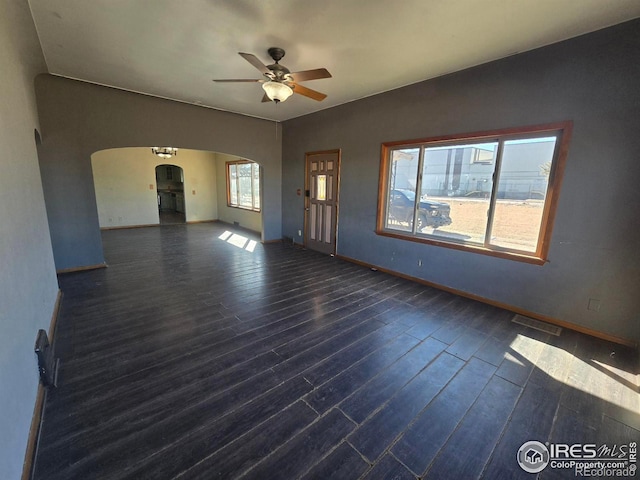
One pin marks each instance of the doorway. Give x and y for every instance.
(322, 180)
(170, 189)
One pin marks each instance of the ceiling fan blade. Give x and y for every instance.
(265, 98)
(310, 75)
(252, 80)
(255, 61)
(307, 92)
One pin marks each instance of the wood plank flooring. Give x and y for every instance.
(200, 353)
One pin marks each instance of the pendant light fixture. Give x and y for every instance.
(164, 152)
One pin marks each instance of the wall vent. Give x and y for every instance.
(537, 325)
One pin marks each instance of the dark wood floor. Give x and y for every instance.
(200, 355)
(168, 217)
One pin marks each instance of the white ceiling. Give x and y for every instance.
(173, 49)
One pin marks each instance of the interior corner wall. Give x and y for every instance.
(79, 118)
(122, 179)
(28, 284)
(244, 218)
(593, 81)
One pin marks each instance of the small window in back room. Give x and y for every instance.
(243, 185)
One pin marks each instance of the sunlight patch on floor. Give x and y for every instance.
(630, 377)
(238, 241)
(513, 359)
(251, 246)
(590, 376)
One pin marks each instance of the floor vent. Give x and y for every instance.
(47, 363)
(537, 325)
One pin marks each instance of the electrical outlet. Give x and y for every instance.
(594, 304)
(299, 233)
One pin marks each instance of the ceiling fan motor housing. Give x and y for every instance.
(279, 71)
(276, 53)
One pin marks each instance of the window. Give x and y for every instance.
(243, 185)
(490, 192)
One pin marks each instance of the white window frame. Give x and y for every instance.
(233, 186)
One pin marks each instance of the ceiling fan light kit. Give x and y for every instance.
(164, 152)
(278, 82)
(276, 91)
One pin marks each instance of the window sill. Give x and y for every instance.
(248, 209)
(518, 257)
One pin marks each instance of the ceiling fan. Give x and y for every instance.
(279, 83)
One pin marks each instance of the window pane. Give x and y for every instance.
(256, 186)
(233, 184)
(522, 188)
(244, 185)
(322, 187)
(243, 179)
(456, 191)
(403, 174)
(448, 190)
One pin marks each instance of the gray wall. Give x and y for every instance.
(28, 284)
(592, 80)
(79, 119)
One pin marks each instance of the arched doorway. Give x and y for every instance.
(128, 182)
(170, 189)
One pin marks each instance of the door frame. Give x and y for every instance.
(307, 189)
(181, 181)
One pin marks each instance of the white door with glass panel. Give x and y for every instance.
(321, 202)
